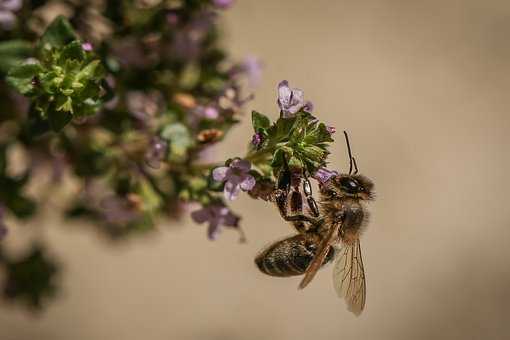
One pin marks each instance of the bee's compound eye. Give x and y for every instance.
(350, 185)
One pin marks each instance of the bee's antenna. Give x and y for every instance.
(352, 161)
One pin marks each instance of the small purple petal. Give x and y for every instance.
(257, 139)
(284, 93)
(87, 46)
(211, 112)
(200, 216)
(331, 129)
(231, 191)
(7, 20)
(231, 220)
(11, 5)
(223, 4)
(216, 215)
(308, 107)
(219, 174)
(290, 100)
(297, 101)
(323, 175)
(213, 230)
(253, 68)
(248, 183)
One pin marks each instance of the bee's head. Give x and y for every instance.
(348, 185)
(343, 185)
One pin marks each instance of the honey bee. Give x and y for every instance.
(333, 231)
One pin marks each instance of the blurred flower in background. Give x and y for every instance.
(8, 10)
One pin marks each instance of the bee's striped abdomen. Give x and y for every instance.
(290, 256)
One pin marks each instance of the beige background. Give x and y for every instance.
(423, 88)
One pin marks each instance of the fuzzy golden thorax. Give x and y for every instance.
(347, 186)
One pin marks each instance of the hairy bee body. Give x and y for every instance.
(347, 211)
(290, 256)
(339, 217)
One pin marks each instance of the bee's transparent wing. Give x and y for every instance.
(349, 277)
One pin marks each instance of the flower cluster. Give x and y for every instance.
(64, 82)
(126, 102)
(296, 142)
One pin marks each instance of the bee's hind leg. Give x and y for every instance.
(312, 204)
(288, 185)
(301, 222)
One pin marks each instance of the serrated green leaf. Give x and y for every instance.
(20, 77)
(259, 121)
(295, 163)
(88, 72)
(179, 138)
(73, 50)
(58, 34)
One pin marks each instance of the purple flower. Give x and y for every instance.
(207, 112)
(331, 129)
(291, 101)
(323, 175)
(7, 16)
(223, 4)
(216, 215)
(87, 46)
(257, 139)
(253, 69)
(236, 177)
(156, 152)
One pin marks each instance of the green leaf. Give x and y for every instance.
(13, 52)
(295, 163)
(73, 50)
(259, 121)
(58, 34)
(280, 131)
(151, 199)
(179, 138)
(59, 118)
(20, 77)
(278, 159)
(88, 72)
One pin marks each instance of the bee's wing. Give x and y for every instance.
(320, 256)
(349, 277)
